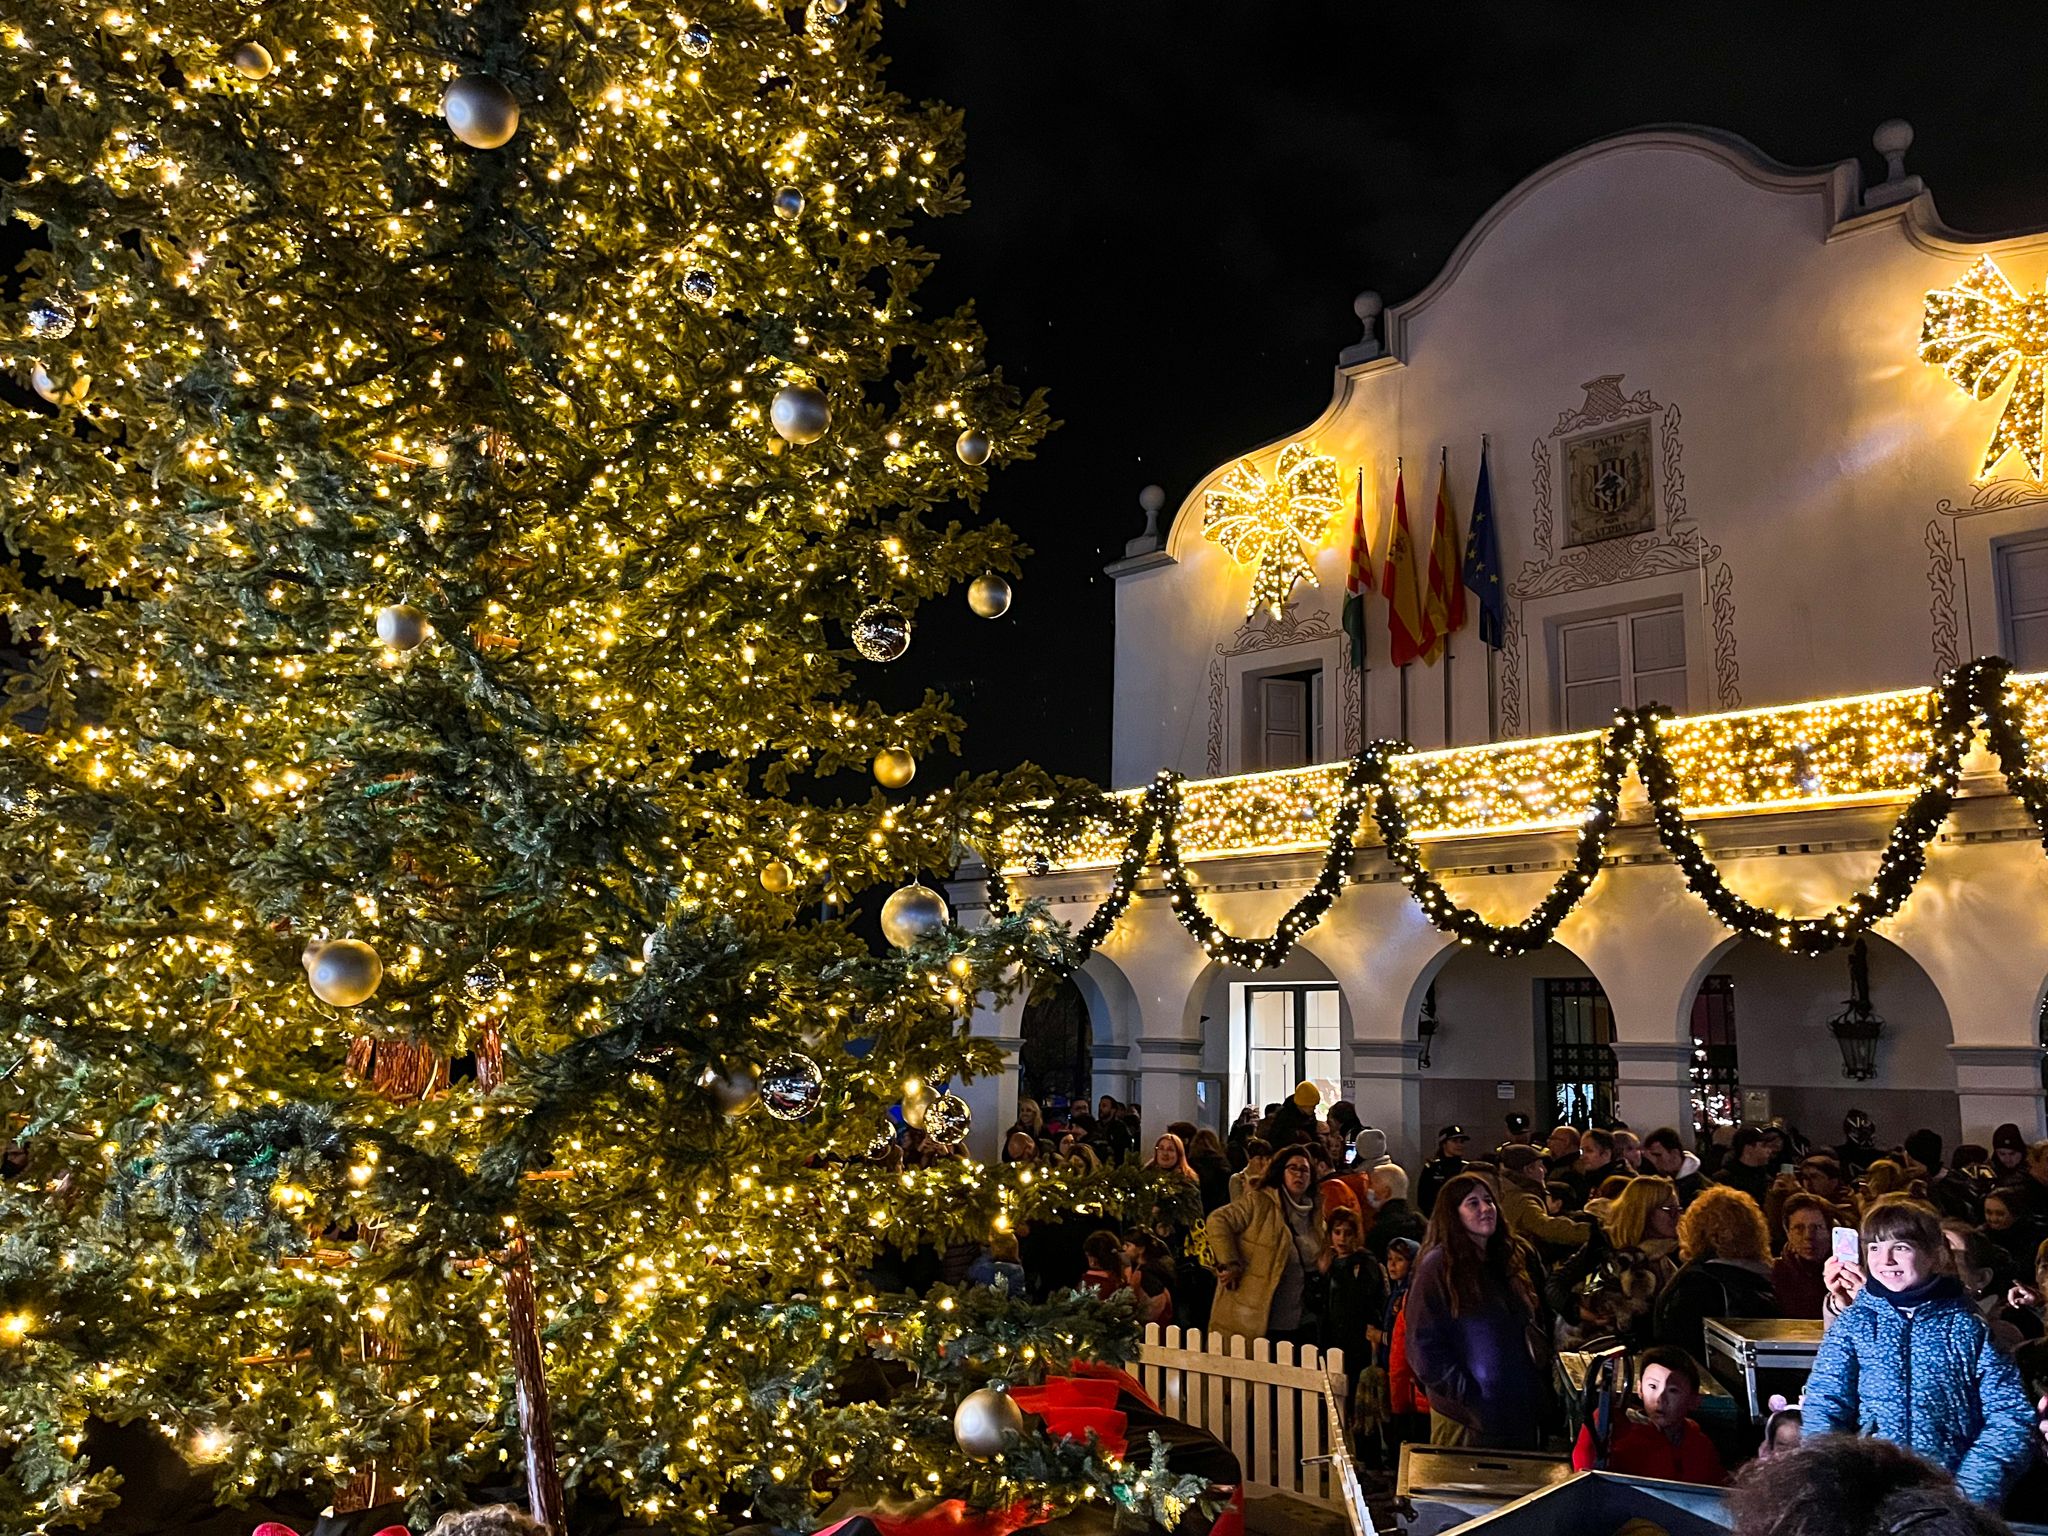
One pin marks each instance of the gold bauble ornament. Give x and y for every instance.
(481, 112)
(912, 914)
(401, 626)
(343, 972)
(989, 596)
(70, 389)
(735, 1091)
(894, 767)
(777, 877)
(800, 413)
(918, 1098)
(986, 1422)
(252, 61)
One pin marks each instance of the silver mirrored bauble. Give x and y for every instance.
(696, 39)
(141, 150)
(894, 767)
(481, 111)
(885, 1138)
(735, 1091)
(973, 446)
(948, 1120)
(989, 596)
(401, 626)
(986, 1422)
(1041, 865)
(344, 972)
(789, 203)
(912, 914)
(792, 1086)
(882, 632)
(51, 319)
(800, 413)
(253, 61)
(700, 285)
(486, 979)
(69, 389)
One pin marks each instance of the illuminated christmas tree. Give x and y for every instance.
(480, 449)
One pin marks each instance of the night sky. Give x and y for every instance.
(1175, 203)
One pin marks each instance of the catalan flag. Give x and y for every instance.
(1405, 622)
(1443, 595)
(1358, 580)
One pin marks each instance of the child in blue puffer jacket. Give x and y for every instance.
(1912, 1361)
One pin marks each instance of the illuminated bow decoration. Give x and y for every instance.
(1265, 523)
(1984, 331)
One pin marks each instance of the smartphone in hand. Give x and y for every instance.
(1848, 1246)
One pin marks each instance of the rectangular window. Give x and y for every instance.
(1577, 1036)
(1285, 728)
(1626, 660)
(1290, 1037)
(1716, 1085)
(2022, 571)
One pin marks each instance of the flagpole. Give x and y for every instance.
(1443, 478)
(1364, 629)
(1492, 680)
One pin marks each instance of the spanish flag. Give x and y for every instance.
(1358, 580)
(1406, 626)
(1443, 598)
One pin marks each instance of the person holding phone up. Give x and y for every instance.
(1912, 1361)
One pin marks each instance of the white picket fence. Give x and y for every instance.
(1281, 1411)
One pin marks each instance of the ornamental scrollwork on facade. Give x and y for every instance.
(1593, 549)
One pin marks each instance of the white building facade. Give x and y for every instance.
(1722, 479)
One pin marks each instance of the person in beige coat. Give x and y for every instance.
(1522, 1208)
(1270, 1246)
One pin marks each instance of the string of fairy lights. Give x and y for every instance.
(1938, 724)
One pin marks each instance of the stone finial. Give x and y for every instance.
(1367, 306)
(1152, 500)
(1894, 136)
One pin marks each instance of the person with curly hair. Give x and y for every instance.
(1912, 1359)
(1726, 1249)
(1844, 1485)
(488, 1520)
(1472, 1330)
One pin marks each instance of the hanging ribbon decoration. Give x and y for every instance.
(1982, 332)
(1970, 695)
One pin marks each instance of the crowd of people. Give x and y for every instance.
(1451, 1306)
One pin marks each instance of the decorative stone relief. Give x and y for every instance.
(1261, 632)
(1944, 557)
(1671, 539)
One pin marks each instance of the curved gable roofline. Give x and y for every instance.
(1836, 187)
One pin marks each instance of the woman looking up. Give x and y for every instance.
(1473, 1337)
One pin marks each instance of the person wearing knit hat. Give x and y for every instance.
(1369, 1149)
(2008, 1153)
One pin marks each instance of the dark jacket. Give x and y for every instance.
(1354, 1299)
(1477, 1366)
(1392, 1220)
(1435, 1176)
(1753, 1182)
(1707, 1288)
(1214, 1174)
(1929, 1379)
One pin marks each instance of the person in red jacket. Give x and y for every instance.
(1665, 1442)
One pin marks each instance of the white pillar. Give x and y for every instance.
(1386, 1090)
(1653, 1086)
(993, 1099)
(1109, 1070)
(1996, 1083)
(1168, 1067)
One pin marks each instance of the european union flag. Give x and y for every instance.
(1482, 563)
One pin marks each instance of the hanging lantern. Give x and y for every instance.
(1858, 1027)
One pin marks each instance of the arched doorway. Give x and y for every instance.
(1528, 1035)
(1263, 1032)
(1762, 1047)
(1055, 1064)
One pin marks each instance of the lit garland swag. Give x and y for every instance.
(1968, 695)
